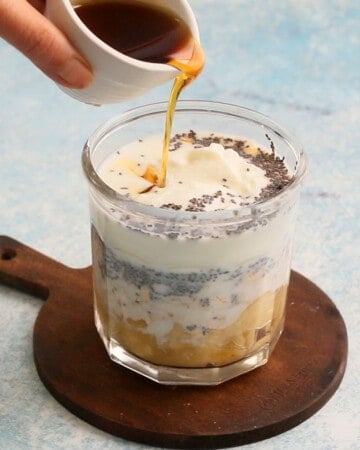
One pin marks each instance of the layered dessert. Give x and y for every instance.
(191, 275)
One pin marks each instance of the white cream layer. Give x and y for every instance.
(192, 172)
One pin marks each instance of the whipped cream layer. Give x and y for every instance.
(205, 172)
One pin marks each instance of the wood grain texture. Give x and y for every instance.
(304, 370)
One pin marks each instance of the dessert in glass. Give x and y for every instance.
(190, 279)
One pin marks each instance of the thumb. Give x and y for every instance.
(47, 47)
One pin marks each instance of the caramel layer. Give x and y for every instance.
(260, 323)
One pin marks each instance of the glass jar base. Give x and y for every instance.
(207, 376)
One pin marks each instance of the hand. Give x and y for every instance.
(23, 25)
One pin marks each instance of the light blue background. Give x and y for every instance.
(295, 60)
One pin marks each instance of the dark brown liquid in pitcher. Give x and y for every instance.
(138, 30)
(152, 34)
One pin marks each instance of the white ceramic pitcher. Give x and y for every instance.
(117, 77)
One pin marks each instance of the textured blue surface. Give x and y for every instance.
(295, 60)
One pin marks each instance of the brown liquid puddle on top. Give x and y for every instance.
(151, 34)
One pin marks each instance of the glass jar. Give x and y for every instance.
(187, 297)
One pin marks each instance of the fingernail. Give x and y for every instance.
(76, 73)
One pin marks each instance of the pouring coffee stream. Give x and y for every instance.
(189, 71)
(161, 37)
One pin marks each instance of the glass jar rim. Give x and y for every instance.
(244, 213)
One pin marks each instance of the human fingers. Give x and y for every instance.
(46, 46)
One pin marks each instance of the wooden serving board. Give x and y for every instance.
(304, 371)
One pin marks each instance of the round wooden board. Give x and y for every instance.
(304, 370)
